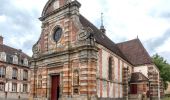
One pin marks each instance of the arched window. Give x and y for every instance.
(110, 68)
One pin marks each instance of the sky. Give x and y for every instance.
(149, 20)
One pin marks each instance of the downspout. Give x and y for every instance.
(159, 97)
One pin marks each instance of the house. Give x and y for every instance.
(73, 59)
(14, 73)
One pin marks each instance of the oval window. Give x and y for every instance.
(57, 34)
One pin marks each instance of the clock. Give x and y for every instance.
(57, 34)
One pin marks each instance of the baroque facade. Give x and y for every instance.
(14, 73)
(73, 59)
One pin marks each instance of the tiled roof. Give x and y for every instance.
(135, 52)
(12, 51)
(138, 77)
(101, 38)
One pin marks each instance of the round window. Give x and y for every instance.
(57, 34)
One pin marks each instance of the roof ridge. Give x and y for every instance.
(102, 38)
(128, 41)
(12, 49)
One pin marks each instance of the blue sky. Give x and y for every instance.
(123, 20)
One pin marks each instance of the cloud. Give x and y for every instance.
(155, 43)
(123, 20)
(19, 22)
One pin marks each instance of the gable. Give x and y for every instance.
(138, 77)
(135, 52)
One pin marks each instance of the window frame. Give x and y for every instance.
(16, 73)
(2, 71)
(110, 72)
(2, 84)
(14, 89)
(25, 75)
(25, 89)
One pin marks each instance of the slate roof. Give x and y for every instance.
(101, 38)
(138, 77)
(135, 52)
(12, 51)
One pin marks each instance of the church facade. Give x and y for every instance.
(75, 60)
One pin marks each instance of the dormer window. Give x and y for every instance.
(25, 61)
(22, 62)
(3, 56)
(9, 58)
(15, 59)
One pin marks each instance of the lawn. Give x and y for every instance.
(166, 98)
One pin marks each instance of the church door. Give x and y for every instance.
(55, 87)
(133, 88)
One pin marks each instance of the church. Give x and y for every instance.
(74, 60)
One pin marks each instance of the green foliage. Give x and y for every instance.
(164, 68)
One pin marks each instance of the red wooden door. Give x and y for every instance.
(55, 87)
(133, 89)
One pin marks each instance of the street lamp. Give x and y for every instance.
(6, 92)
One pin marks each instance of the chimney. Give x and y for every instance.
(1, 40)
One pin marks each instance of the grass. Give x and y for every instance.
(166, 98)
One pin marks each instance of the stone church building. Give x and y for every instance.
(74, 60)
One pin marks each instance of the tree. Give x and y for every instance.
(164, 68)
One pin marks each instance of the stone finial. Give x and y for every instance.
(102, 29)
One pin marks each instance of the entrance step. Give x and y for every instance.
(135, 97)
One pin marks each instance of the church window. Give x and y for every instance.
(2, 72)
(57, 34)
(110, 68)
(76, 77)
(40, 81)
(76, 82)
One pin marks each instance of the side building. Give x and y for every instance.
(14, 73)
(145, 78)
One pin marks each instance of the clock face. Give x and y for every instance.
(57, 34)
